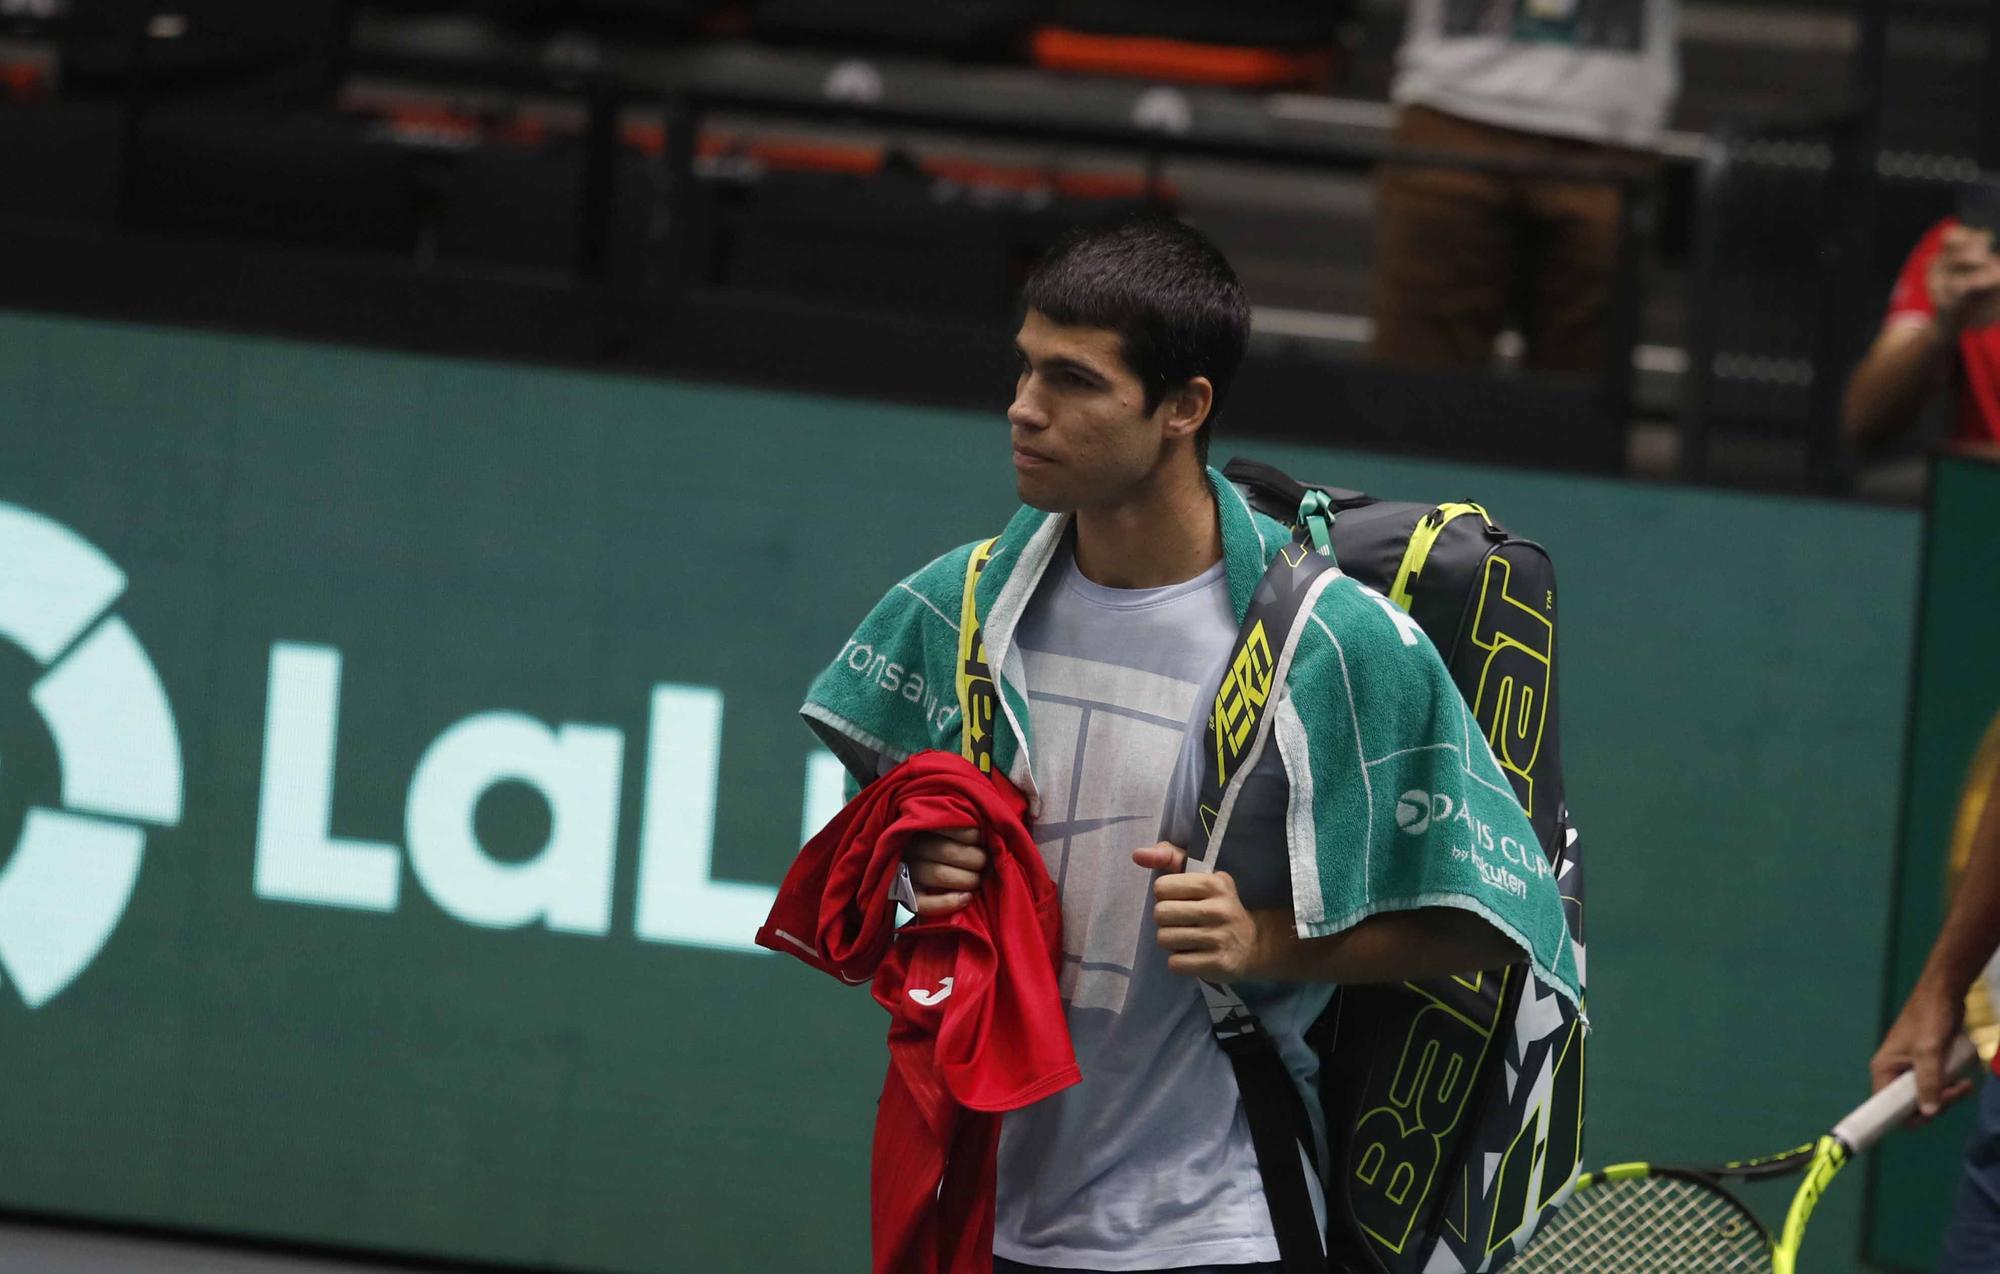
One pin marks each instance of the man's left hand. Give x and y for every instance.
(1202, 922)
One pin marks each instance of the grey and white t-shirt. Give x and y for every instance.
(1146, 1164)
(1599, 70)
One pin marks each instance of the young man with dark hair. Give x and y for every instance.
(1108, 610)
(1172, 299)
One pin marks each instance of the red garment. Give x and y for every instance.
(976, 1021)
(1978, 347)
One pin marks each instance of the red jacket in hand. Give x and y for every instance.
(976, 1022)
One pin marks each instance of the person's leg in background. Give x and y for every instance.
(1445, 248)
(1570, 269)
(1972, 1238)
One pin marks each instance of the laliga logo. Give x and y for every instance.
(66, 885)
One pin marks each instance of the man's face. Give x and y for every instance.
(1082, 434)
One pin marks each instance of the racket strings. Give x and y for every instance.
(1650, 1224)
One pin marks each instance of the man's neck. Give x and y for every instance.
(1166, 533)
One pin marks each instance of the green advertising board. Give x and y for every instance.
(1956, 694)
(397, 753)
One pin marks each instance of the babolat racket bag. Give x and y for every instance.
(1454, 1107)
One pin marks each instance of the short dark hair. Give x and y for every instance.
(1167, 291)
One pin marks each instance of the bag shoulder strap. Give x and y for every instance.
(977, 699)
(1237, 731)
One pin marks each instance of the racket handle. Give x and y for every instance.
(1894, 1103)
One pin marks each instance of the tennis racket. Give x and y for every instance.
(1642, 1216)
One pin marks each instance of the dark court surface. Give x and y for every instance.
(36, 1250)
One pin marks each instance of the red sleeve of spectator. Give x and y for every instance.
(1912, 294)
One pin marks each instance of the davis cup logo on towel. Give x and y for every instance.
(72, 869)
(1413, 812)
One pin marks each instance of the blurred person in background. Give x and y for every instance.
(1934, 1013)
(1943, 328)
(1460, 251)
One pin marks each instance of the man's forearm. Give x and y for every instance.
(1972, 927)
(1890, 386)
(1395, 946)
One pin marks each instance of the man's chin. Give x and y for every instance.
(1040, 495)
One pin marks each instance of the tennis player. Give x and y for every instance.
(1114, 602)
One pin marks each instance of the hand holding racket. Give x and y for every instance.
(1917, 1042)
(1642, 1216)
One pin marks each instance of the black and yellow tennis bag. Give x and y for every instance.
(1454, 1107)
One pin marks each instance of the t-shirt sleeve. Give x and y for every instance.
(889, 692)
(1911, 297)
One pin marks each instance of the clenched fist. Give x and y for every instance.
(945, 868)
(1202, 922)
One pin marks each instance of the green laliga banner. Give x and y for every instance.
(1957, 692)
(396, 756)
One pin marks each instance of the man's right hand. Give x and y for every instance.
(945, 868)
(1964, 280)
(1919, 1041)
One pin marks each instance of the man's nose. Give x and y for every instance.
(1024, 412)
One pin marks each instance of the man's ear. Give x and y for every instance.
(1186, 407)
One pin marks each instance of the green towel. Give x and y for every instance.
(1396, 800)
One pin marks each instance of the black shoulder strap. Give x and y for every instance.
(1238, 730)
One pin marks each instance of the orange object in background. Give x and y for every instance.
(1181, 61)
